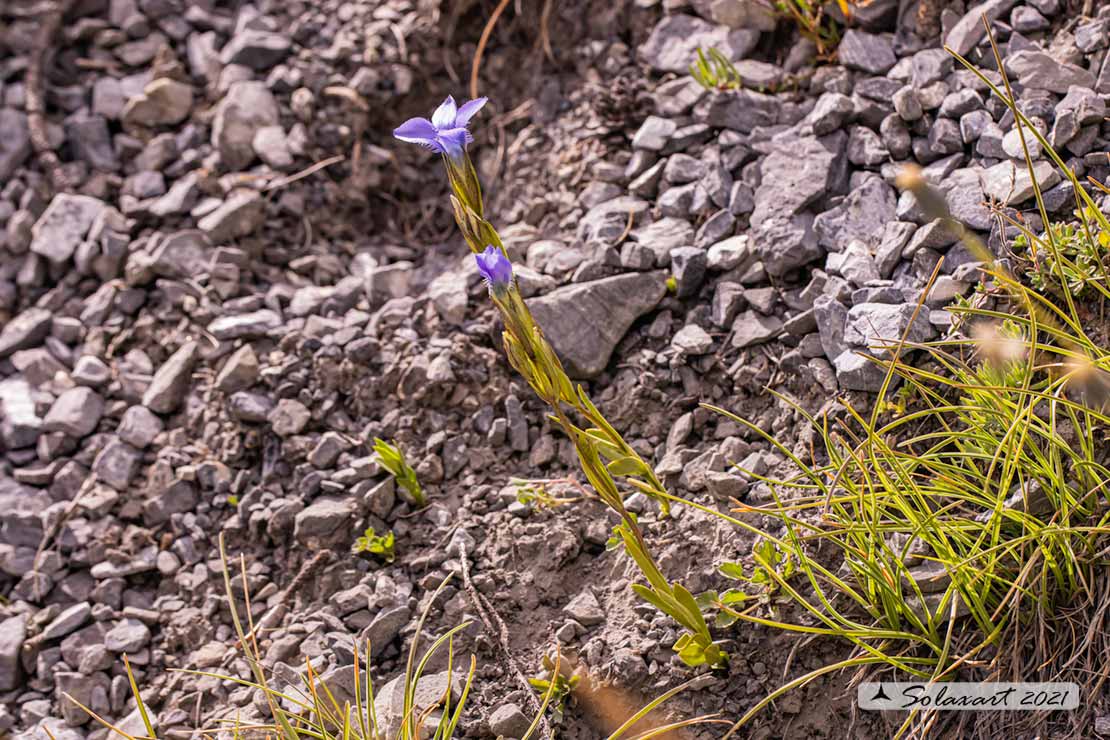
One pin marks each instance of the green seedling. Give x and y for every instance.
(556, 685)
(392, 459)
(715, 72)
(538, 493)
(376, 544)
(813, 23)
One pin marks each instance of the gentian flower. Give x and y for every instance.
(496, 269)
(446, 133)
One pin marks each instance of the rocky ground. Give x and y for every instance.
(227, 280)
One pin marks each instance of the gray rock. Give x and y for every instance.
(171, 382)
(969, 31)
(674, 42)
(63, 225)
(247, 325)
(253, 408)
(92, 142)
(325, 521)
(385, 627)
(692, 340)
(743, 110)
(855, 264)
(907, 105)
(873, 325)
(797, 173)
(20, 424)
(15, 144)
(13, 630)
(1085, 106)
(509, 721)
(76, 413)
(429, 692)
(730, 253)
(182, 254)
(1038, 69)
(831, 316)
(247, 107)
(68, 621)
(139, 427)
(584, 322)
(1027, 20)
(239, 372)
(830, 114)
(688, 265)
(865, 148)
(862, 215)
(386, 282)
(272, 147)
(1092, 36)
(129, 636)
(242, 211)
(605, 222)
(786, 244)
(89, 690)
(179, 497)
(26, 330)
(289, 417)
(929, 66)
(163, 102)
(1011, 184)
(973, 124)
(728, 299)
(856, 372)
(654, 133)
(117, 464)
(752, 327)
(256, 49)
(867, 52)
(585, 609)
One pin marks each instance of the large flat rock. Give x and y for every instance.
(584, 322)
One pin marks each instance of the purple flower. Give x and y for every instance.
(496, 269)
(446, 133)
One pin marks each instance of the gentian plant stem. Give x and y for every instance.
(602, 451)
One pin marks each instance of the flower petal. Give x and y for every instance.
(416, 131)
(468, 109)
(444, 117)
(452, 141)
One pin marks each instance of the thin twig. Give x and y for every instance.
(41, 53)
(496, 628)
(477, 63)
(304, 173)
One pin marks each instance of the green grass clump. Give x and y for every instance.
(813, 22)
(931, 539)
(715, 72)
(392, 459)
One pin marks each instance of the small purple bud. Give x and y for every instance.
(495, 268)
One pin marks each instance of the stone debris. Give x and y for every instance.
(245, 282)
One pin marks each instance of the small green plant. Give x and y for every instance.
(376, 544)
(538, 493)
(556, 685)
(1080, 256)
(813, 23)
(715, 72)
(531, 355)
(392, 459)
